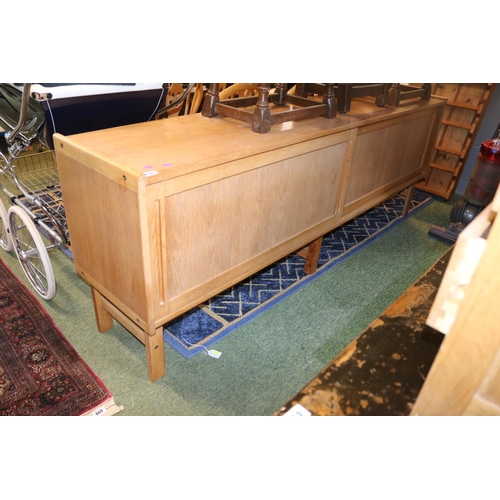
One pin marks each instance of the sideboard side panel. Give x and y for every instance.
(103, 222)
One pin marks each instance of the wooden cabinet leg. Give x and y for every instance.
(103, 318)
(311, 254)
(408, 198)
(155, 354)
(106, 312)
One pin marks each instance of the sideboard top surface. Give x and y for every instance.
(180, 145)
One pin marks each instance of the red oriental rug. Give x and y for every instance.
(41, 374)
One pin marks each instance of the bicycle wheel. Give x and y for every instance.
(5, 239)
(31, 252)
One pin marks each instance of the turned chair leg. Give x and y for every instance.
(381, 100)
(330, 101)
(394, 97)
(261, 120)
(344, 96)
(211, 99)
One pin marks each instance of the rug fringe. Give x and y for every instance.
(105, 409)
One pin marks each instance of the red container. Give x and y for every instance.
(485, 174)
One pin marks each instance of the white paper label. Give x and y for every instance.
(100, 411)
(297, 411)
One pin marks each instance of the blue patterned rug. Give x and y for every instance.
(203, 326)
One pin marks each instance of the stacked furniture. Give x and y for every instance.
(302, 101)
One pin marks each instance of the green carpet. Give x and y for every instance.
(267, 361)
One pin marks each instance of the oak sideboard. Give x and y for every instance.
(164, 215)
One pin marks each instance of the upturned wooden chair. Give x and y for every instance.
(238, 90)
(400, 92)
(179, 99)
(193, 100)
(345, 92)
(261, 118)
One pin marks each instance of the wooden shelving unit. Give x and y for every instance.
(464, 111)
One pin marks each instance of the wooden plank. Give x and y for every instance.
(457, 152)
(461, 115)
(458, 124)
(466, 95)
(454, 140)
(442, 167)
(437, 182)
(464, 374)
(466, 256)
(464, 106)
(445, 159)
(481, 407)
(487, 399)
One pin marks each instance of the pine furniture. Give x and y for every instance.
(166, 214)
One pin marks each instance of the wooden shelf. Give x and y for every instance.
(450, 151)
(464, 106)
(442, 167)
(458, 125)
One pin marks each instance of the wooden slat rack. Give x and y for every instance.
(464, 112)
